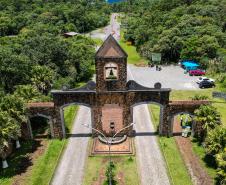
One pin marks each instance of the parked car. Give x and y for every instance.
(206, 84)
(196, 72)
(203, 78)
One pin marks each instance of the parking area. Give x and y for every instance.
(170, 77)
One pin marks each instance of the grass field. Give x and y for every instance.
(133, 56)
(175, 165)
(125, 171)
(69, 116)
(40, 173)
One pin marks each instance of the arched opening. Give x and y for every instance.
(182, 124)
(68, 116)
(41, 126)
(148, 110)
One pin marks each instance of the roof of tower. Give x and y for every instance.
(111, 49)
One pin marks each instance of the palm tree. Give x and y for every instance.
(208, 117)
(15, 107)
(42, 78)
(12, 114)
(216, 140)
(8, 130)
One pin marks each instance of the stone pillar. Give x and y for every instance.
(164, 128)
(161, 120)
(27, 130)
(58, 124)
(51, 127)
(96, 114)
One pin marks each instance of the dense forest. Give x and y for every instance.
(32, 49)
(35, 56)
(185, 29)
(179, 29)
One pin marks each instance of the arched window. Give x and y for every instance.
(111, 71)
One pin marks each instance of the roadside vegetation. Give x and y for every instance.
(176, 168)
(33, 156)
(125, 170)
(188, 29)
(35, 57)
(211, 146)
(133, 56)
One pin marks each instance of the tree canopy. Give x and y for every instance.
(188, 29)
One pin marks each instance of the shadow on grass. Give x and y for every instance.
(19, 160)
(209, 160)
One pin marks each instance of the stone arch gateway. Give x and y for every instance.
(114, 95)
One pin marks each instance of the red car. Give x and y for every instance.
(196, 72)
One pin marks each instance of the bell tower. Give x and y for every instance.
(111, 66)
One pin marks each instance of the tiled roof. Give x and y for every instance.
(40, 104)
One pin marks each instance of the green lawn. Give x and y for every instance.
(133, 56)
(44, 166)
(175, 165)
(69, 116)
(126, 169)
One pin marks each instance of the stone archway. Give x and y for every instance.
(49, 120)
(161, 121)
(41, 109)
(62, 118)
(179, 113)
(177, 107)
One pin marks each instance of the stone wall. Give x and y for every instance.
(177, 107)
(115, 85)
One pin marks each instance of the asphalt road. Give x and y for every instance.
(70, 170)
(151, 165)
(170, 77)
(113, 28)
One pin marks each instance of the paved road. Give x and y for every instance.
(170, 77)
(113, 28)
(151, 163)
(70, 170)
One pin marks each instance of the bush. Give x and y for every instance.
(110, 174)
(221, 171)
(215, 141)
(200, 97)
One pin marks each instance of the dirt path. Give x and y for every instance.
(27, 163)
(198, 174)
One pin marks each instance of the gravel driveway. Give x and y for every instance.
(70, 170)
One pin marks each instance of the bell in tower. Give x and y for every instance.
(111, 66)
